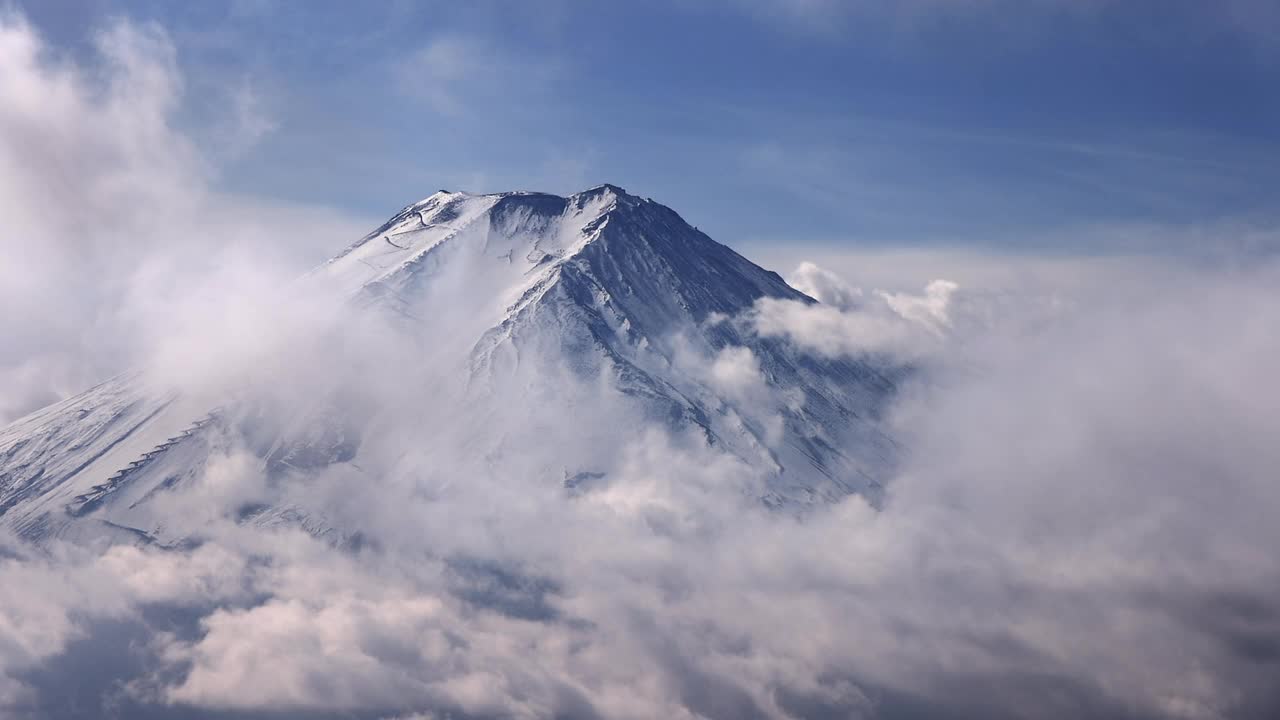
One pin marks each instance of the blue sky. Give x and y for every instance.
(1039, 125)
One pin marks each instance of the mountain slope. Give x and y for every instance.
(527, 295)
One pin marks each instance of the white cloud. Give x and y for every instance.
(824, 286)
(736, 371)
(932, 310)
(1057, 530)
(898, 324)
(110, 211)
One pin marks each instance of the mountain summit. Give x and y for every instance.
(527, 295)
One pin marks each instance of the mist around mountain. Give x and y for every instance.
(538, 324)
(528, 455)
(538, 456)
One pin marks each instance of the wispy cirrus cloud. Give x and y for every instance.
(457, 73)
(1249, 20)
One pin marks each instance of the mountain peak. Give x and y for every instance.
(531, 233)
(600, 288)
(603, 199)
(606, 188)
(596, 191)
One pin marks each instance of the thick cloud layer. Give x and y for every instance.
(1083, 524)
(1083, 527)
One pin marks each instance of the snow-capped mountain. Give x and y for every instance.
(530, 293)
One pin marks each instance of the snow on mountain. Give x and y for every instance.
(529, 295)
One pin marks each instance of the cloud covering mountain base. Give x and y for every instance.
(1083, 526)
(1082, 523)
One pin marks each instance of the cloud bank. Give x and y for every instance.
(1082, 525)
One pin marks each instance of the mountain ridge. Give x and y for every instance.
(531, 293)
